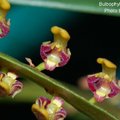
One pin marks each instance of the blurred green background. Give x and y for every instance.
(92, 36)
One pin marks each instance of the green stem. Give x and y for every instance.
(92, 100)
(41, 66)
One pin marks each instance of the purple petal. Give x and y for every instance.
(43, 100)
(61, 114)
(45, 50)
(115, 89)
(4, 28)
(94, 82)
(65, 57)
(16, 88)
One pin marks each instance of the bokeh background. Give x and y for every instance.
(92, 36)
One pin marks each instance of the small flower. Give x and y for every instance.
(56, 54)
(104, 84)
(45, 109)
(4, 24)
(9, 85)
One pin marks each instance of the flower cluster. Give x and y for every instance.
(56, 54)
(45, 109)
(104, 84)
(9, 85)
(4, 24)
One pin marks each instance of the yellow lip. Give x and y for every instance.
(4, 4)
(106, 62)
(43, 112)
(4, 89)
(60, 31)
(108, 68)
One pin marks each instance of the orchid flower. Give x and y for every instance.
(4, 24)
(104, 84)
(9, 85)
(45, 109)
(56, 54)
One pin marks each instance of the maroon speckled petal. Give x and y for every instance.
(1, 72)
(4, 29)
(17, 86)
(60, 114)
(1, 75)
(115, 89)
(50, 68)
(40, 116)
(94, 82)
(64, 58)
(45, 50)
(42, 100)
(99, 98)
(61, 101)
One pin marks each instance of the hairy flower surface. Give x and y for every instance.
(4, 24)
(9, 85)
(104, 84)
(56, 54)
(45, 109)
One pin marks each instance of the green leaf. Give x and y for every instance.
(88, 6)
(55, 87)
